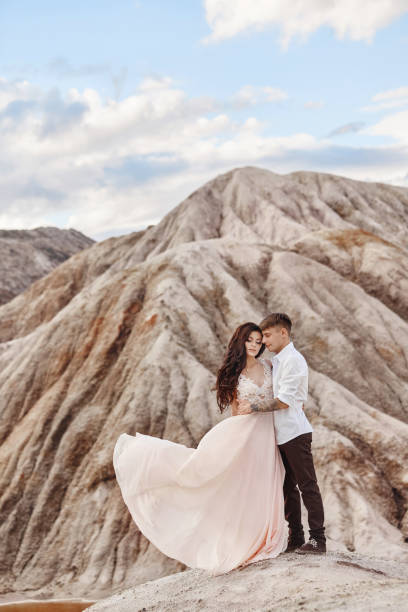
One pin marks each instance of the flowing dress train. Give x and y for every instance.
(215, 507)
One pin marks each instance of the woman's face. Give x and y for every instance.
(253, 344)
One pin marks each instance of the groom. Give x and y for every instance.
(293, 434)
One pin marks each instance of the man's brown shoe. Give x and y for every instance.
(312, 546)
(293, 545)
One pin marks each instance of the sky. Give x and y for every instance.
(111, 113)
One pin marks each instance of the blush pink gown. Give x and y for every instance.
(216, 507)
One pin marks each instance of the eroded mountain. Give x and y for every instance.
(127, 336)
(27, 255)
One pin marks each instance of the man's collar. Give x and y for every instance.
(287, 349)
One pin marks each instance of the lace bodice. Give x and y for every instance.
(248, 389)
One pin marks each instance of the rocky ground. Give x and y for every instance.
(336, 582)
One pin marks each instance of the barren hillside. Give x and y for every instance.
(27, 255)
(127, 336)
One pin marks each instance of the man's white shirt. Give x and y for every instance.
(290, 380)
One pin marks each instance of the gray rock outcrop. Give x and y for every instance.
(291, 583)
(127, 336)
(27, 255)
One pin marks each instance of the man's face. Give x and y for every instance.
(274, 338)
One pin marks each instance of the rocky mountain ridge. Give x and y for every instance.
(27, 255)
(128, 336)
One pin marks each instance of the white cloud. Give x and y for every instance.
(62, 68)
(250, 95)
(21, 90)
(394, 126)
(314, 104)
(275, 94)
(246, 96)
(108, 166)
(356, 20)
(151, 83)
(392, 98)
(391, 94)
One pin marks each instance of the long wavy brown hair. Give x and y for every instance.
(233, 364)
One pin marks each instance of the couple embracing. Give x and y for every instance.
(223, 505)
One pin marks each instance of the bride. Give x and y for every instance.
(219, 506)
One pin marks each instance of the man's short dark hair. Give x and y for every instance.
(276, 319)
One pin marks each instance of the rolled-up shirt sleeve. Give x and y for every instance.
(293, 380)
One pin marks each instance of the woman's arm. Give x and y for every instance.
(234, 407)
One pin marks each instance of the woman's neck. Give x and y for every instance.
(250, 362)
